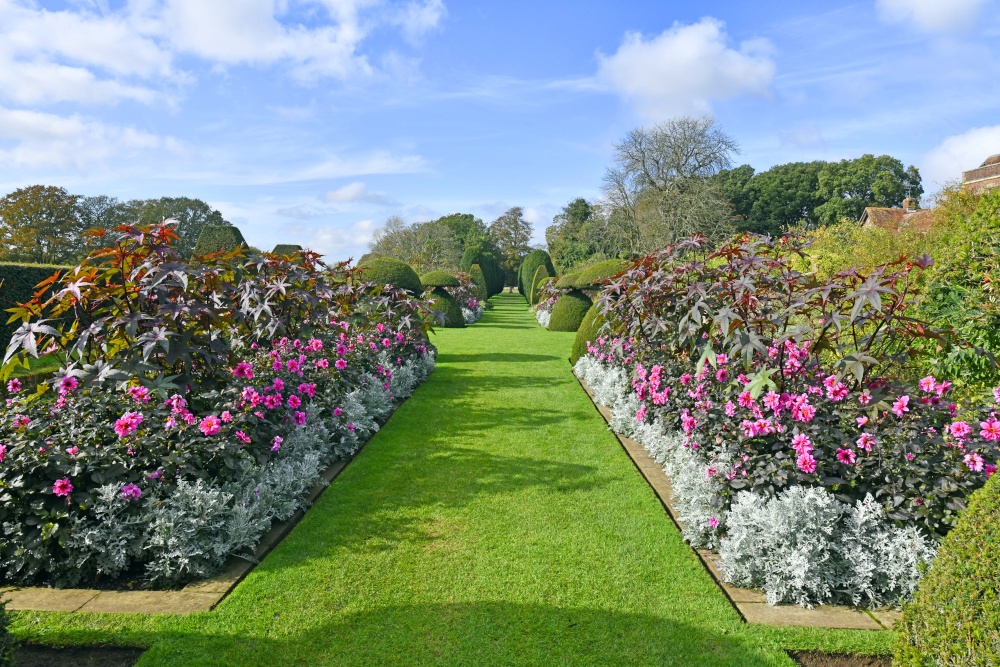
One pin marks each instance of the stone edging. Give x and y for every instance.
(198, 596)
(750, 603)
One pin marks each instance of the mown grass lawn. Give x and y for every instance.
(493, 521)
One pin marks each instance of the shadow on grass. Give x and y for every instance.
(510, 357)
(475, 634)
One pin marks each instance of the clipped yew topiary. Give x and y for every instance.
(285, 249)
(488, 263)
(568, 312)
(479, 278)
(17, 285)
(218, 238)
(438, 279)
(954, 618)
(529, 266)
(388, 271)
(594, 276)
(453, 318)
(589, 329)
(567, 281)
(541, 273)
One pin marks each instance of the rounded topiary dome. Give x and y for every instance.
(954, 618)
(590, 326)
(388, 271)
(568, 312)
(453, 318)
(285, 249)
(598, 274)
(438, 279)
(567, 281)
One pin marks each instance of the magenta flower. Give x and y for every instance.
(713, 522)
(865, 398)
(927, 384)
(210, 425)
(900, 406)
(846, 456)
(340, 364)
(139, 394)
(309, 389)
(745, 400)
(277, 365)
(68, 384)
(801, 444)
(21, 421)
(272, 401)
(14, 386)
(862, 421)
(730, 408)
(131, 492)
(3, 452)
(338, 411)
(640, 414)
(226, 416)
(243, 370)
(806, 463)
(323, 363)
(293, 366)
(72, 451)
(974, 462)
(243, 437)
(866, 441)
(990, 429)
(959, 429)
(128, 424)
(294, 401)
(300, 419)
(279, 384)
(63, 487)
(380, 327)
(276, 443)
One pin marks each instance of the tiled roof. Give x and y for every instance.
(898, 219)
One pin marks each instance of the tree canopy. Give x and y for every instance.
(511, 234)
(40, 224)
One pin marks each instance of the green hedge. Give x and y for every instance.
(598, 274)
(529, 266)
(388, 271)
(954, 618)
(479, 278)
(567, 281)
(17, 285)
(541, 273)
(590, 326)
(285, 249)
(568, 312)
(488, 263)
(216, 238)
(452, 310)
(438, 279)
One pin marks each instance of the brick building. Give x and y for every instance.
(986, 177)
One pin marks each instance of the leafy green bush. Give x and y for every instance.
(569, 310)
(488, 263)
(438, 279)
(588, 331)
(954, 618)
(453, 318)
(482, 290)
(217, 238)
(389, 271)
(7, 642)
(283, 249)
(598, 274)
(17, 286)
(541, 273)
(529, 265)
(567, 281)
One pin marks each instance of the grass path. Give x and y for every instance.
(493, 521)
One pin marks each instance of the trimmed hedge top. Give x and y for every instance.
(598, 274)
(567, 281)
(529, 266)
(285, 249)
(216, 238)
(439, 279)
(568, 312)
(955, 615)
(388, 271)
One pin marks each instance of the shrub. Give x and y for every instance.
(467, 297)
(567, 281)
(18, 283)
(7, 643)
(283, 249)
(568, 312)
(438, 279)
(491, 268)
(595, 276)
(529, 266)
(541, 273)
(587, 333)
(218, 238)
(482, 292)
(388, 271)
(453, 318)
(954, 618)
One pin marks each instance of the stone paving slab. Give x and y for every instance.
(751, 604)
(197, 596)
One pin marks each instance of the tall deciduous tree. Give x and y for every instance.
(849, 186)
(783, 196)
(423, 245)
(191, 215)
(40, 224)
(467, 228)
(662, 178)
(511, 234)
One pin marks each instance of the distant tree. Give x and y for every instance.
(191, 215)
(849, 186)
(734, 186)
(569, 237)
(783, 196)
(40, 224)
(662, 178)
(467, 228)
(511, 234)
(425, 246)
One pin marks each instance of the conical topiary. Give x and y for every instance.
(218, 238)
(529, 266)
(285, 249)
(482, 290)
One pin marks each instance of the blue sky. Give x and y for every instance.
(312, 121)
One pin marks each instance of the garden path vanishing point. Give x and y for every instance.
(493, 521)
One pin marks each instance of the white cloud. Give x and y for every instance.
(685, 68)
(931, 15)
(48, 140)
(357, 193)
(956, 154)
(418, 18)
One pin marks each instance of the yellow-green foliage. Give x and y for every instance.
(847, 244)
(954, 618)
(218, 238)
(589, 328)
